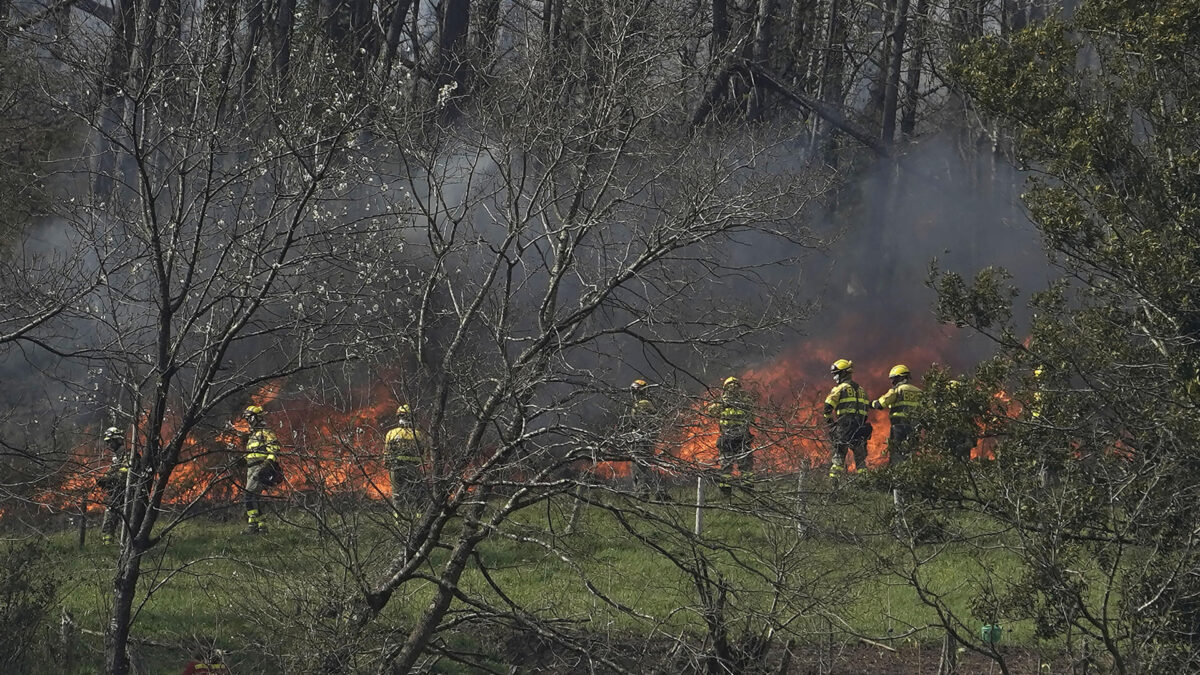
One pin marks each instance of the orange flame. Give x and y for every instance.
(331, 450)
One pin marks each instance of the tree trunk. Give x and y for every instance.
(891, 96)
(912, 88)
(254, 27)
(112, 111)
(365, 34)
(394, 31)
(120, 621)
(761, 55)
(285, 17)
(552, 20)
(452, 34)
(826, 112)
(948, 663)
(800, 42)
(830, 86)
(720, 30)
(418, 638)
(881, 17)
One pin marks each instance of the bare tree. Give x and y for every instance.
(568, 218)
(234, 250)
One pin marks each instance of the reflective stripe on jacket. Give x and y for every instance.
(261, 444)
(901, 401)
(847, 399)
(734, 412)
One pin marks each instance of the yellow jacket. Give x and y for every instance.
(404, 444)
(847, 399)
(900, 402)
(261, 445)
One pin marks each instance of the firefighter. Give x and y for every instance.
(902, 402)
(261, 469)
(639, 422)
(404, 451)
(734, 417)
(113, 484)
(845, 414)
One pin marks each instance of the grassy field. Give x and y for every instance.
(252, 596)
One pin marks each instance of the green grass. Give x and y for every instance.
(248, 595)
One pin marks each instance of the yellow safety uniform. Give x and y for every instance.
(902, 402)
(261, 447)
(734, 418)
(846, 413)
(405, 448)
(113, 485)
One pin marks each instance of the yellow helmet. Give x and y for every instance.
(253, 410)
(637, 384)
(841, 366)
(900, 370)
(403, 410)
(113, 434)
(731, 381)
(1039, 371)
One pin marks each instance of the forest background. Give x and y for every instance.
(501, 212)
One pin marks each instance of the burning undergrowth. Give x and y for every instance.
(326, 449)
(336, 448)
